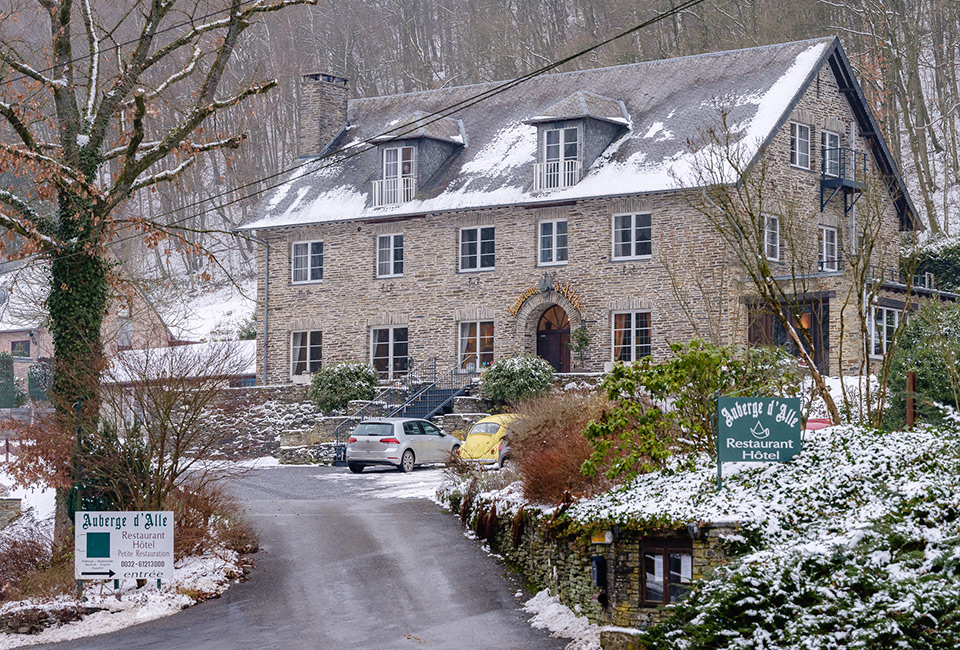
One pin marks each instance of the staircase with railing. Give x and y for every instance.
(418, 394)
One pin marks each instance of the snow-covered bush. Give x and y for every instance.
(335, 385)
(929, 345)
(512, 380)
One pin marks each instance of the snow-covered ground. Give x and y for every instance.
(194, 578)
(211, 312)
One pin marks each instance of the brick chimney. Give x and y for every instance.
(323, 111)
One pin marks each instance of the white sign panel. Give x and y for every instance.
(123, 545)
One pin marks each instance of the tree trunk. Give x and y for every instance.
(77, 303)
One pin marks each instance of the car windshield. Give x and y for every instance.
(485, 427)
(373, 429)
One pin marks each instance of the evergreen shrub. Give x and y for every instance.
(8, 387)
(39, 381)
(335, 385)
(512, 380)
(930, 346)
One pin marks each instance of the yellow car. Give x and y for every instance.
(485, 443)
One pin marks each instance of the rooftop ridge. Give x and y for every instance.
(600, 69)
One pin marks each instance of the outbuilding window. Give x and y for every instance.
(667, 570)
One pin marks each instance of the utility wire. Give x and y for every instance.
(396, 132)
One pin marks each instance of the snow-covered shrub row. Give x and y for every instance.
(855, 543)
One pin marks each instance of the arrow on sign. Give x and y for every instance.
(98, 573)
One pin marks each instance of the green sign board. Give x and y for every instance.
(757, 429)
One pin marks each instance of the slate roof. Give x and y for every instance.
(667, 101)
(425, 125)
(581, 104)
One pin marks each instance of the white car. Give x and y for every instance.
(401, 442)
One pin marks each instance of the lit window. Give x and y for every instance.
(476, 248)
(553, 242)
(631, 336)
(828, 249)
(771, 238)
(389, 256)
(883, 325)
(388, 351)
(305, 352)
(476, 345)
(800, 145)
(632, 238)
(307, 261)
(830, 142)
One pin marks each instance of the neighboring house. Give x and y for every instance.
(131, 322)
(563, 202)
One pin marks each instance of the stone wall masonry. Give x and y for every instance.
(550, 556)
(688, 284)
(9, 510)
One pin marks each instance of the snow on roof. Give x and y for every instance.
(584, 104)
(215, 359)
(676, 98)
(212, 312)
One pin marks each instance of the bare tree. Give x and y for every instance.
(84, 106)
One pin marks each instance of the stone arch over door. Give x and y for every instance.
(529, 321)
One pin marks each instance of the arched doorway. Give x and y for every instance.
(553, 336)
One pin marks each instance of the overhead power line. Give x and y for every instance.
(339, 155)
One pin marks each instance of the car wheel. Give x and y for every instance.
(506, 464)
(406, 461)
(356, 468)
(455, 450)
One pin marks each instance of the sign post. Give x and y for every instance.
(123, 545)
(757, 429)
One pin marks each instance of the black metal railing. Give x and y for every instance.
(843, 163)
(419, 393)
(898, 276)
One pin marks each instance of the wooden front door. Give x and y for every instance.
(553, 337)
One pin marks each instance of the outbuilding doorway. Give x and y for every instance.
(553, 337)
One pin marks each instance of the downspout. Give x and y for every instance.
(266, 300)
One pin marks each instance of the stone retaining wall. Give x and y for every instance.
(552, 553)
(9, 510)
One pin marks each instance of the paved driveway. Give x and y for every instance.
(350, 561)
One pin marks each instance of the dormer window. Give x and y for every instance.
(561, 159)
(399, 183)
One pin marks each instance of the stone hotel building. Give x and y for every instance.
(474, 223)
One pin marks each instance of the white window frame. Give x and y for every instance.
(398, 173)
(391, 262)
(461, 351)
(479, 254)
(308, 269)
(771, 237)
(310, 346)
(833, 158)
(827, 263)
(796, 154)
(634, 346)
(391, 350)
(634, 244)
(553, 249)
(897, 314)
(562, 143)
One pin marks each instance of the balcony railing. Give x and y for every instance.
(555, 174)
(394, 191)
(843, 165)
(897, 276)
